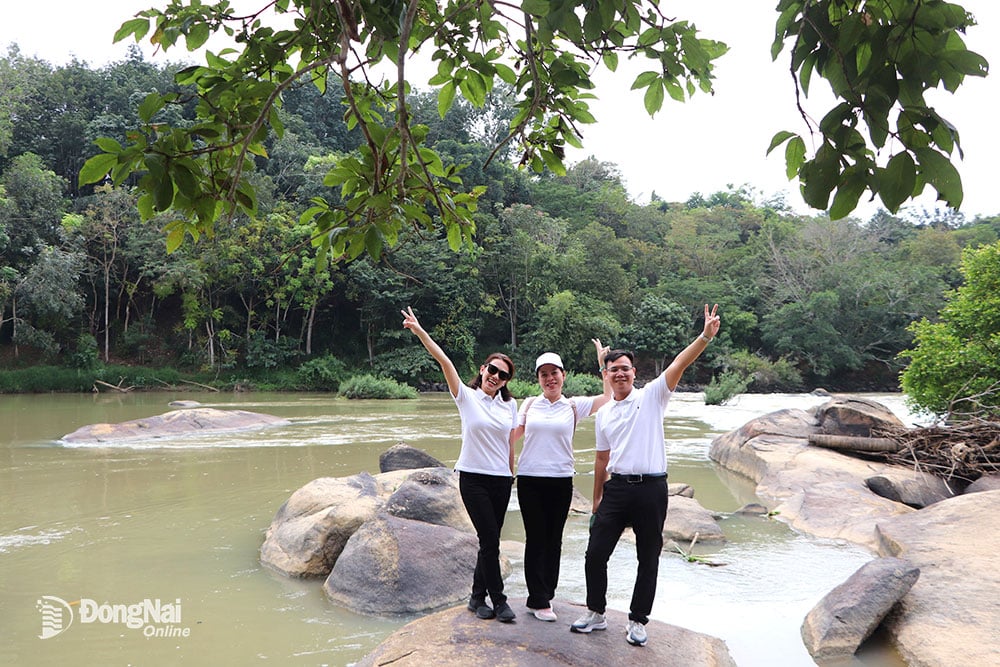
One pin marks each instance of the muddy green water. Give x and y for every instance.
(179, 523)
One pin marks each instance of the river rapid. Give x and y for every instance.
(146, 553)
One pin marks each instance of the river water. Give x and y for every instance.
(93, 537)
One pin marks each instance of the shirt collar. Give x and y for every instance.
(486, 398)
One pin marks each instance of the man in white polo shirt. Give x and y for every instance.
(630, 481)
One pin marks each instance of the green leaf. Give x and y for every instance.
(819, 177)
(938, 170)
(506, 74)
(145, 206)
(175, 237)
(535, 7)
(610, 59)
(373, 243)
(848, 193)
(186, 181)
(197, 36)
(897, 181)
(149, 106)
(653, 99)
(795, 156)
(96, 168)
(454, 237)
(554, 164)
(108, 145)
(137, 27)
(778, 139)
(445, 98)
(645, 79)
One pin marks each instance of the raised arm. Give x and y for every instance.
(687, 356)
(602, 352)
(450, 374)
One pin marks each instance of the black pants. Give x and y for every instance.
(643, 506)
(486, 498)
(544, 505)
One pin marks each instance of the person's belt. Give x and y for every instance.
(638, 478)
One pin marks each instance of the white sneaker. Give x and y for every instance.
(635, 633)
(592, 621)
(545, 614)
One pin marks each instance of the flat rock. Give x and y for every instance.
(456, 637)
(175, 423)
(950, 615)
(686, 519)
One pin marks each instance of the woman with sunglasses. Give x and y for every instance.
(485, 463)
(545, 472)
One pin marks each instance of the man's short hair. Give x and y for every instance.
(614, 355)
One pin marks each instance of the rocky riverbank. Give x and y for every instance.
(950, 614)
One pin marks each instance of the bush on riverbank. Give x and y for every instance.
(369, 386)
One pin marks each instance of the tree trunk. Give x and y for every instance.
(309, 330)
(13, 324)
(107, 315)
(211, 342)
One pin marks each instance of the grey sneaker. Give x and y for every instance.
(635, 633)
(591, 621)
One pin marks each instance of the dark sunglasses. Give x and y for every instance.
(493, 370)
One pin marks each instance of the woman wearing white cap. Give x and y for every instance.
(545, 474)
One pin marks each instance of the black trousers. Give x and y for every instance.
(642, 505)
(544, 505)
(486, 498)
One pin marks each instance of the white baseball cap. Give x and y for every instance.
(548, 358)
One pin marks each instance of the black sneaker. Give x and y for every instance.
(504, 613)
(475, 602)
(485, 612)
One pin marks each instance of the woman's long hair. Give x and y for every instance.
(477, 381)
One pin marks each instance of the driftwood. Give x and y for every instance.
(964, 451)
(198, 384)
(118, 387)
(854, 443)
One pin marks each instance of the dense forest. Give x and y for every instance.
(555, 260)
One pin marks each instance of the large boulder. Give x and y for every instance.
(950, 615)
(404, 457)
(312, 527)
(393, 565)
(847, 615)
(984, 483)
(909, 487)
(173, 424)
(432, 496)
(853, 416)
(456, 637)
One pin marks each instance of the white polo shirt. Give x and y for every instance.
(632, 429)
(548, 435)
(486, 425)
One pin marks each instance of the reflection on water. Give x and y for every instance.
(183, 519)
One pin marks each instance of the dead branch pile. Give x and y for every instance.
(964, 451)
